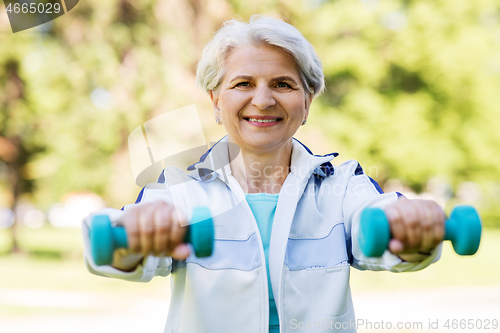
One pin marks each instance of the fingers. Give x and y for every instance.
(146, 222)
(129, 222)
(416, 225)
(403, 219)
(396, 246)
(161, 227)
(438, 230)
(427, 221)
(154, 228)
(181, 252)
(176, 234)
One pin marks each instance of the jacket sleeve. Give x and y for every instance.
(150, 266)
(363, 192)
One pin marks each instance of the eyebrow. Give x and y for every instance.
(276, 79)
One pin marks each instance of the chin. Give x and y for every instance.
(264, 143)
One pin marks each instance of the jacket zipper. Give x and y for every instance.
(236, 188)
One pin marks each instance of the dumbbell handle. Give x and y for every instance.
(105, 238)
(463, 229)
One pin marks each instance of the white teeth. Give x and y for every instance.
(263, 120)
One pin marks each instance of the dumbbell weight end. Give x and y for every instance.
(374, 233)
(463, 229)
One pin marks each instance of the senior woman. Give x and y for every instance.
(286, 220)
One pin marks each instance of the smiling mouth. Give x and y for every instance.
(269, 120)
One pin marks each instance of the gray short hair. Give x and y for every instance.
(259, 30)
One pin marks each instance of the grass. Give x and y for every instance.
(67, 279)
(27, 272)
(52, 262)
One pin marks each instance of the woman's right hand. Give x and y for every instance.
(152, 228)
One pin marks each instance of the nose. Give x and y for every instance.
(263, 98)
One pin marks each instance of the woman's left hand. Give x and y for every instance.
(417, 227)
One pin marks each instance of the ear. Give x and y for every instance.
(308, 101)
(214, 96)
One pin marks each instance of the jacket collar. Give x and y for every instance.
(214, 163)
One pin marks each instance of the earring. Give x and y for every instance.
(304, 122)
(217, 121)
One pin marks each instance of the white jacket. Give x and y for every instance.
(313, 244)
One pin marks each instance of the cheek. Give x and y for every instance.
(297, 107)
(231, 104)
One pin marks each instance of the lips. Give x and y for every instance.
(262, 119)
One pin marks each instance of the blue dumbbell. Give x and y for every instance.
(105, 238)
(463, 229)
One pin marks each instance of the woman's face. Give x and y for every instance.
(261, 101)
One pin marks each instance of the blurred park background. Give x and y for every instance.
(413, 93)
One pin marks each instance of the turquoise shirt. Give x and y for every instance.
(263, 207)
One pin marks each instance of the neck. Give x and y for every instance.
(262, 171)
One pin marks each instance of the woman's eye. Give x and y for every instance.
(243, 84)
(283, 85)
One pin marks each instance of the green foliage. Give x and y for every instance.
(412, 99)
